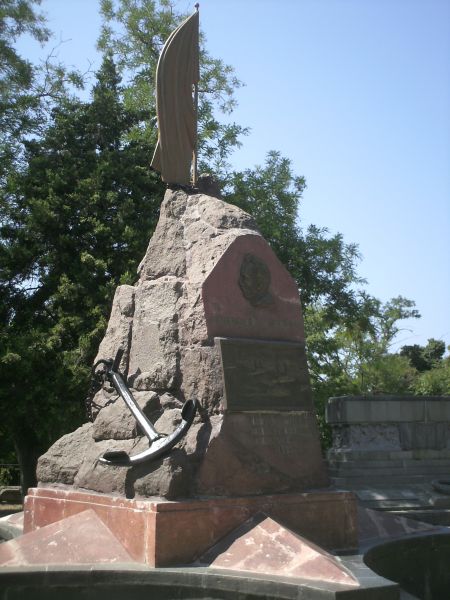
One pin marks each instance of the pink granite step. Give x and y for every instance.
(80, 539)
(262, 545)
(375, 525)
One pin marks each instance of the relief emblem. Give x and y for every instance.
(254, 281)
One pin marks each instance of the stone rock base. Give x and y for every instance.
(161, 533)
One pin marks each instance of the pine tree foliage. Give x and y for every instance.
(75, 223)
(27, 91)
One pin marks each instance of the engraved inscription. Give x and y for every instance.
(261, 376)
(285, 324)
(279, 436)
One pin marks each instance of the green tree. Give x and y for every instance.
(424, 358)
(17, 74)
(433, 368)
(75, 222)
(435, 381)
(360, 347)
(27, 91)
(351, 355)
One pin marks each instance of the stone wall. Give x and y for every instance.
(388, 439)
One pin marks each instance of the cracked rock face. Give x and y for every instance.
(169, 357)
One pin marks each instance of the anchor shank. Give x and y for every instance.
(135, 409)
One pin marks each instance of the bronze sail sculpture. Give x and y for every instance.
(177, 76)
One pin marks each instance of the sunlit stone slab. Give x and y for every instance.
(262, 545)
(80, 539)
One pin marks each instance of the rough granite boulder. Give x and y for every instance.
(168, 358)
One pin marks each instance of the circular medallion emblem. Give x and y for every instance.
(254, 281)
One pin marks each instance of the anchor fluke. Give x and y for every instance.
(160, 443)
(117, 457)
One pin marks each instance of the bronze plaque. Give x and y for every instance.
(264, 376)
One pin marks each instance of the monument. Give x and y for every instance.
(205, 419)
(216, 319)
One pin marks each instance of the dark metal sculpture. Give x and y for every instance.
(160, 443)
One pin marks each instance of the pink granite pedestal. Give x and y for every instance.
(161, 533)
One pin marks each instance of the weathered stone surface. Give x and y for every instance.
(96, 476)
(385, 408)
(165, 253)
(104, 397)
(62, 461)
(367, 437)
(210, 226)
(163, 534)
(171, 476)
(119, 327)
(154, 360)
(204, 252)
(258, 453)
(249, 294)
(420, 436)
(167, 400)
(168, 421)
(202, 376)
(115, 422)
(164, 325)
(202, 255)
(219, 214)
(168, 476)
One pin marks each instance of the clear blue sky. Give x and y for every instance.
(357, 94)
